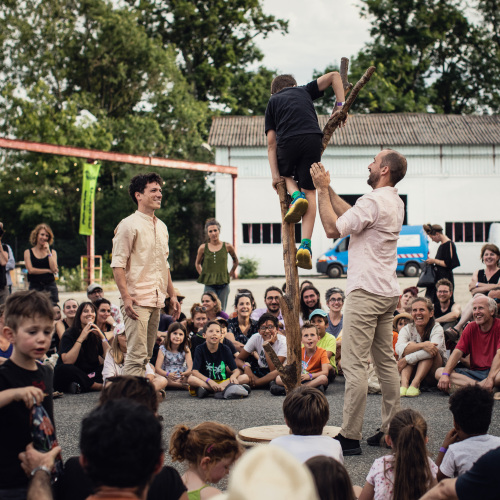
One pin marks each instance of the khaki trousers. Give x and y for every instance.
(141, 337)
(367, 332)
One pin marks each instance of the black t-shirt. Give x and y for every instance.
(197, 340)
(447, 252)
(74, 484)
(15, 420)
(482, 481)
(88, 357)
(165, 321)
(437, 308)
(214, 365)
(291, 111)
(3, 276)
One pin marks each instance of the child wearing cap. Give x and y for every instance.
(327, 341)
(399, 322)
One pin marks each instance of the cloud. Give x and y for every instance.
(320, 33)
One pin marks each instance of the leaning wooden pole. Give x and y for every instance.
(290, 302)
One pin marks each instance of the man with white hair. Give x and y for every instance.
(481, 340)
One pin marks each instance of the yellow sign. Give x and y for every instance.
(90, 174)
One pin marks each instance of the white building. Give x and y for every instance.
(453, 179)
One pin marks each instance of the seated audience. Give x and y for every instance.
(399, 322)
(81, 354)
(332, 479)
(408, 472)
(174, 361)
(6, 347)
(420, 348)
(199, 338)
(335, 301)
(405, 300)
(482, 481)
(209, 449)
(242, 327)
(446, 311)
(309, 301)
(197, 320)
(262, 373)
(468, 440)
(214, 368)
(115, 361)
(272, 300)
(103, 318)
(482, 282)
(95, 292)
(481, 341)
(326, 341)
(306, 412)
(213, 306)
(69, 310)
(315, 363)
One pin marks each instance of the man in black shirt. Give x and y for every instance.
(294, 142)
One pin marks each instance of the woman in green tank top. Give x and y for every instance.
(211, 263)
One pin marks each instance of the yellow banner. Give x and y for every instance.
(90, 174)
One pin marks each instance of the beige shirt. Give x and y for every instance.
(374, 223)
(140, 246)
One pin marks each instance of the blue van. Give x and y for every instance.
(413, 248)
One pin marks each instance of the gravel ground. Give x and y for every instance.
(261, 408)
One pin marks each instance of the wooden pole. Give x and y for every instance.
(290, 302)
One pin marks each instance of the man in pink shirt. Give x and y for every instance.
(372, 288)
(141, 271)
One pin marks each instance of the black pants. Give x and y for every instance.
(64, 375)
(47, 287)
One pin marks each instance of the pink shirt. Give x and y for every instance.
(374, 223)
(140, 246)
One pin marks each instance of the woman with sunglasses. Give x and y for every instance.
(242, 327)
(211, 263)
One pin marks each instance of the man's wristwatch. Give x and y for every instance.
(41, 467)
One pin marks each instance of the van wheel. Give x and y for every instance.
(412, 269)
(334, 271)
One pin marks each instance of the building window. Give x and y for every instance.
(267, 233)
(468, 232)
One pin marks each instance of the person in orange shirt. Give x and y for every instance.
(397, 323)
(315, 363)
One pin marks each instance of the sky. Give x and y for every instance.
(320, 32)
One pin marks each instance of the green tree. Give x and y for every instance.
(215, 43)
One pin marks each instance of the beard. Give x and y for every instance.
(373, 179)
(273, 308)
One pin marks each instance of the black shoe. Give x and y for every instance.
(277, 390)
(322, 388)
(74, 388)
(201, 392)
(349, 446)
(247, 388)
(378, 439)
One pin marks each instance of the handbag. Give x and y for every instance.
(427, 276)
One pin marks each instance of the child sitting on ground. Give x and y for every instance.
(29, 324)
(408, 473)
(214, 368)
(262, 373)
(197, 321)
(174, 360)
(332, 479)
(210, 449)
(472, 407)
(294, 142)
(315, 364)
(199, 338)
(306, 412)
(397, 323)
(327, 341)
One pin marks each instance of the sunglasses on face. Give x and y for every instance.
(200, 309)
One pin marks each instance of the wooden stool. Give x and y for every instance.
(265, 433)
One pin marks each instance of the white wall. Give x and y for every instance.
(443, 184)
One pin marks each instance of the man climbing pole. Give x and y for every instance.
(294, 143)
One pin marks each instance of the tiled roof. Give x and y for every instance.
(403, 129)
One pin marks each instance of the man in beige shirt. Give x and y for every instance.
(372, 288)
(141, 271)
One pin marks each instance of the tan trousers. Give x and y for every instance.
(141, 338)
(367, 332)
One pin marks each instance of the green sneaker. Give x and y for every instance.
(297, 209)
(304, 256)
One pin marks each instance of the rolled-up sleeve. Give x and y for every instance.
(123, 243)
(363, 214)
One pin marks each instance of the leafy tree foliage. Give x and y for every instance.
(215, 42)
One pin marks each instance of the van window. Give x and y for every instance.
(344, 245)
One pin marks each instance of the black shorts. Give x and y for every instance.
(296, 155)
